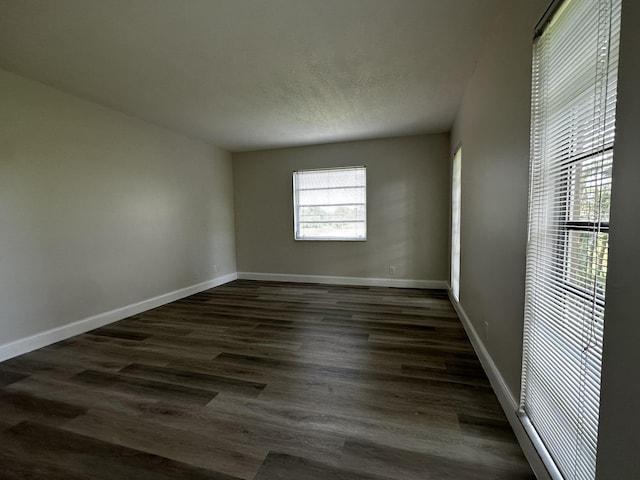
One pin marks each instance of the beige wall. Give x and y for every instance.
(493, 128)
(99, 210)
(407, 203)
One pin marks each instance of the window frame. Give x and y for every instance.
(456, 221)
(297, 206)
(569, 226)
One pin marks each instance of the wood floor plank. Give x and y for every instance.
(253, 434)
(9, 376)
(119, 333)
(423, 434)
(397, 463)
(219, 342)
(14, 468)
(129, 352)
(283, 466)
(5, 425)
(81, 395)
(25, 406)
(204, 451)
(66, 362)
(85, 457)
(141, 328)
(31, 364)
(357, 398)
(188, 378)
(140, 387)
(488, 428)
(496, 454)
(425, 392)
(262, 380)
(430, 373)
(168, 324)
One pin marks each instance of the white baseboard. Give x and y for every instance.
(42, 339)
(505, 397)
(332, 280)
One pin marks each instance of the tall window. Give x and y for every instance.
(572, 135)
(456, 191)
(330, 204)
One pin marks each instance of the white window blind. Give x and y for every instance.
(572, 134)
(456, 194)
(330, 204)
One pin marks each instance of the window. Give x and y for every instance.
(456, 193)
(572, 136)
(330, 204)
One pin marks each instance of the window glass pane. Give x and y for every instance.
(590, 188)
(330, 204)
(456, 193)
(587, 261)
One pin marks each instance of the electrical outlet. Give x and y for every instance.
(392, 270)
(215, 269)
(486, 331)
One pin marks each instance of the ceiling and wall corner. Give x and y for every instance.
(252, 74)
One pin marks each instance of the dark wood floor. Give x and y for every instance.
(261, 380)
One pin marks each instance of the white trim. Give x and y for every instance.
(42, 339)
(554, 473)
(505, 397)
(331, 280)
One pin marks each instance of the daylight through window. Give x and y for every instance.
(330, 204)
(575, 65)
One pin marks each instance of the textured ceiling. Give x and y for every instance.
(252, 74)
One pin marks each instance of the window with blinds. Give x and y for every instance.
(456, 195)
(330, 204)
(572, 136)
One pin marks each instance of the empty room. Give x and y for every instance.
(319, 239)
